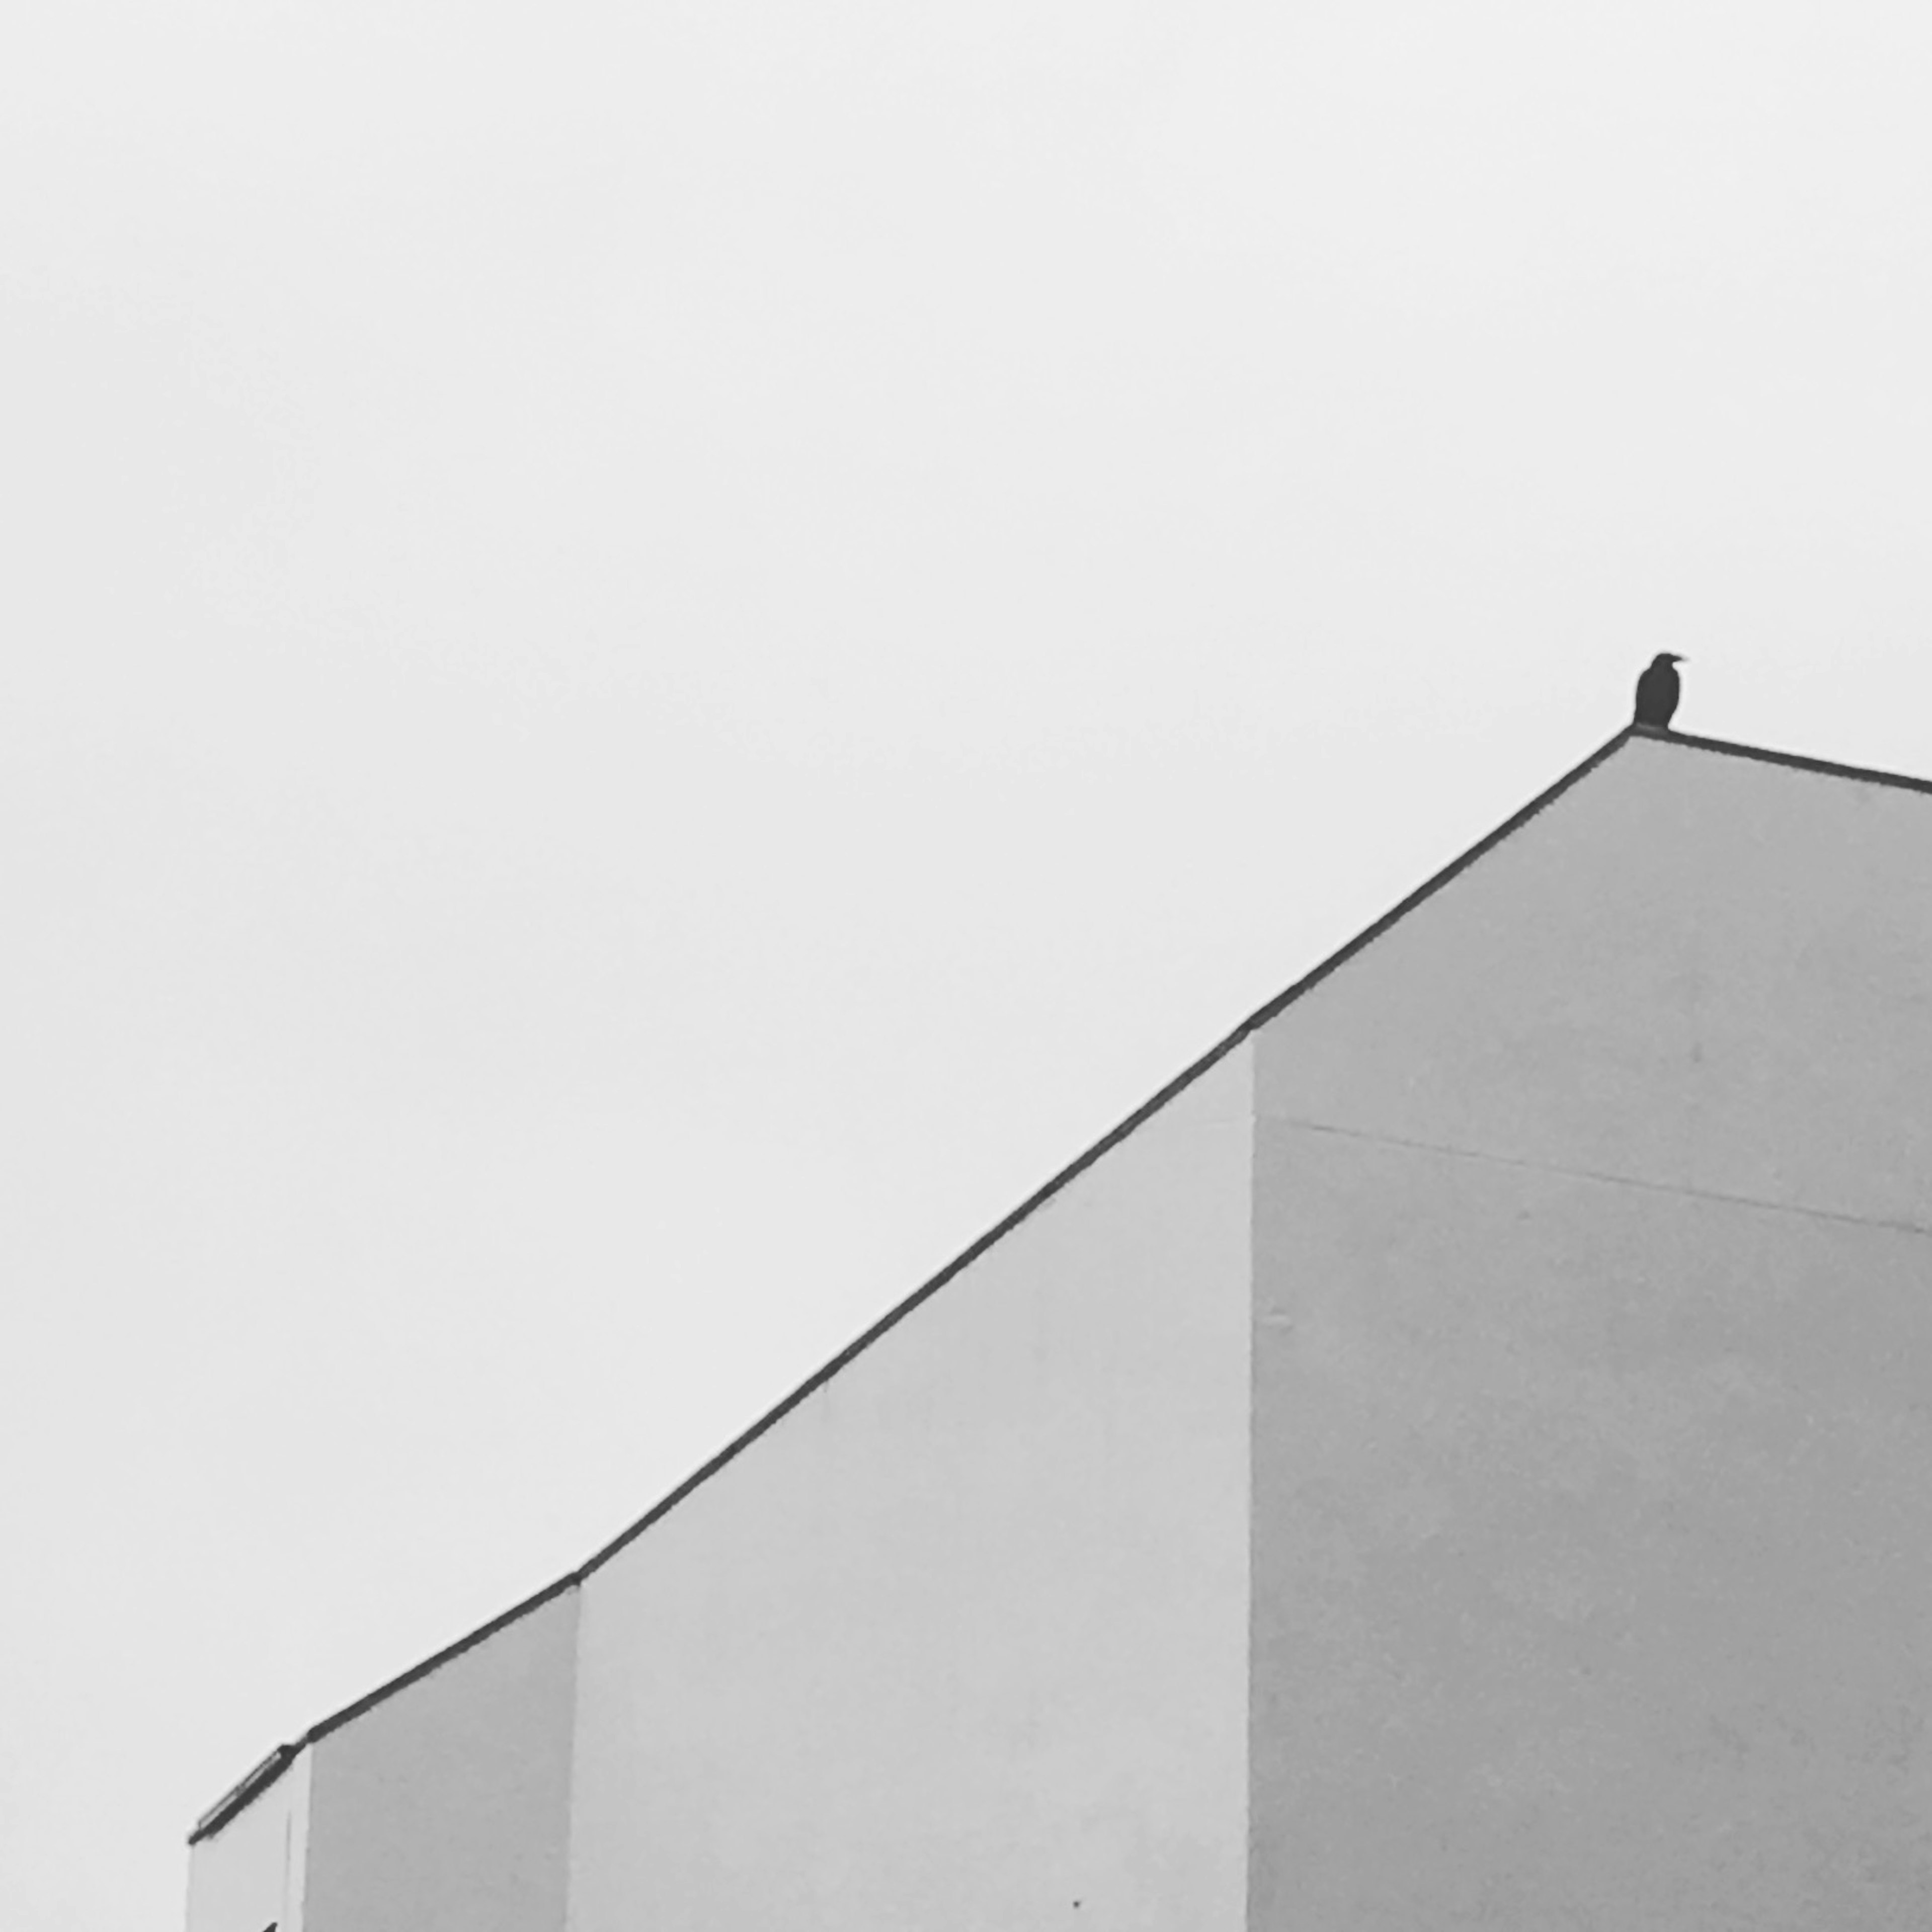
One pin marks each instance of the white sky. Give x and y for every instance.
(655, 656)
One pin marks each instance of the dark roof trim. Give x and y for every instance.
(1796, 761)
(238, 1797)
(1079, 1165)
(278, 1760)
(272, 1767)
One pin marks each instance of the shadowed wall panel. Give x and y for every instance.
(1593, 1474)
(444, 1808)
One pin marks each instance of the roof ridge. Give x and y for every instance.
(1259, 1018)
(1794, 760)
(272, 1767)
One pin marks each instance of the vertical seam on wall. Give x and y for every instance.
(567, 1921)
(299, 1818)
(1248, 1631)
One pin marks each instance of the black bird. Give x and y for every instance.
(1657, 690)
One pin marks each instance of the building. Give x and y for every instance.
(1461, 1456)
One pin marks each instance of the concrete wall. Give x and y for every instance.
(1593, 1409)
(1692, 970)
(248, 1876)
(444, 1808)
(1537, 1314)
(962, 1642)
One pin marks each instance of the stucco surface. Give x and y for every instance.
(962, 1642)
(249, 1875)
(1593, 1399)
(1465, 1462)
(444, 1808)
(1692, 969)
(1593, 1557)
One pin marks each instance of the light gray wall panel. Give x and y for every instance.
(962, 1642)
(444, 1808)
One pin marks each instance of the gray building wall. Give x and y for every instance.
(1464, 1461)
(446, 1806)
(251, 1874)
(962, 1643)
(1593, 1415)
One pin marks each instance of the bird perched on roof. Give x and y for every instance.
(1658, 690)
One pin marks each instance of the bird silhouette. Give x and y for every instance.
(1657, 690)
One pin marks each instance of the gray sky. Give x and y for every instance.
(655, 656)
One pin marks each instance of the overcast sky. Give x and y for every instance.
(655, 656)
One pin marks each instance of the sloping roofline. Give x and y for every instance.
(272, 1767)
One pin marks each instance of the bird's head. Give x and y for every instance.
(1669, 658)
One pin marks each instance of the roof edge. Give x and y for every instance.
(240, 1795)
(1793, 760)
(1259, 1018)
(250, 1787)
